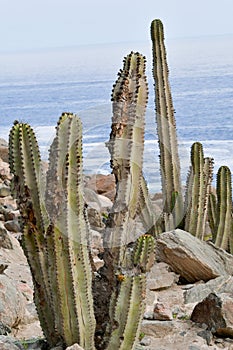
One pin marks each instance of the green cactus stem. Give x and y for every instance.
(166, 128)
(198, 189)
(56, 232)
(129, 306)
(224, 224)
(25, 164)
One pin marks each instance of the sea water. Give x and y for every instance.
(36, 87)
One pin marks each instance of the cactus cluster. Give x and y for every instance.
(56, 233)
(104, 309)
(200, 205)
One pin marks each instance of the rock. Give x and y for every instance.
(98, 262)
(105, 203)
(95, 218)
(5, 191)
(160, 277)
(4, 329)
(96, 240)
(4, 170)
(175, 335)
(192, 258)
(12, 226)
(216, 311)
(5, 239)
(102, 184)
(222, 284)
(3, 267)
(156, 328)
(12, 303)
(8, 202)
(8, 346)
(3, 150)
(162, 313)
(74, 347)
(146, 341)
(9, 214)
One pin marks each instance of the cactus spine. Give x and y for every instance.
(166, 128)
(198, 189)
(56, 231)
(224, 224)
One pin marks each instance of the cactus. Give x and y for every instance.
(129, 96)
(55, 231)
(166, 128)
(224, 224)
(131, 296)
(56, 235)
(197, 193)
(126, 144)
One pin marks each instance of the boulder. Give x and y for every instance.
(222, 284)
(102, 184)
(191, 258)
(216, 311)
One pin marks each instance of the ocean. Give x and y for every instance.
(36, 87)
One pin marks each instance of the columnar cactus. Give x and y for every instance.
(197, 192)
(224, 224)
(166, 128)
(126, 144)
(55, 233)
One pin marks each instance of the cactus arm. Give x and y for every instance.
(130, 94)
(224, 208)
(128, 313)
(212, 212)
(69, 235)
(198, 189)
(129, 306)
(145, 209)
(27, 187)
(166, 126)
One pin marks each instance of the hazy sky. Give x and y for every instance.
(29, 24)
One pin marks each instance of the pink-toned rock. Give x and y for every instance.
(102, 184)
(161, 277)
(162, 313)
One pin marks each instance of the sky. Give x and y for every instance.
(35, 24)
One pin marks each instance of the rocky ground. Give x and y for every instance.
(189, 302)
